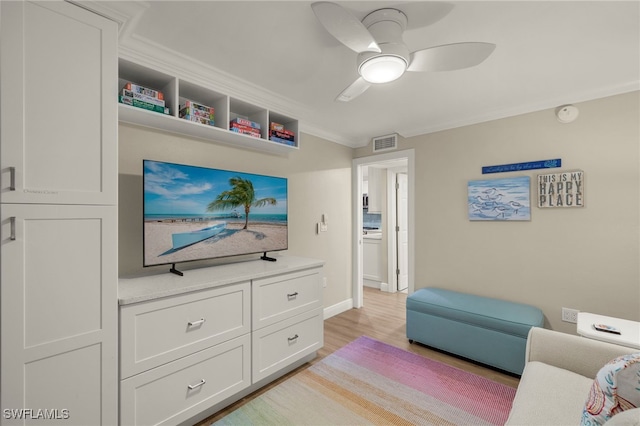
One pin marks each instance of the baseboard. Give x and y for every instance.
(338, 308)
(366, 282)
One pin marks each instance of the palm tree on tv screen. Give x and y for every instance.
(240, 194)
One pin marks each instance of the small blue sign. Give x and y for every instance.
(518, 167)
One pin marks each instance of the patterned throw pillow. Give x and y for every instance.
(615, 389)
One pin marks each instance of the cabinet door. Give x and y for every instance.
(58, 113)
(58, 312)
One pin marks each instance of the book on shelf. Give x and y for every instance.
(245, 122)
(278, 133)
(126, 100)
(248, 130)
(276, 126)
(196, 112)
(195, 106)
(282, 141)
(242, 131)
(136, 88)
(198, 119)
(141, 97)
(282, 135)
(245, 128)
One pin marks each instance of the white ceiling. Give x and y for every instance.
(548, 53)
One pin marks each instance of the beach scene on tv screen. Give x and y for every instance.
(193, 213)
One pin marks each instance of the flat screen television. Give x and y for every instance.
(195, 213)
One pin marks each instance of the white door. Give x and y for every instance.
(58, 313)
(58, 113)
(402, 231)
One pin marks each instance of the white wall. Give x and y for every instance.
(319, 182)
(584, 258)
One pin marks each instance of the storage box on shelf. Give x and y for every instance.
(282, 133)
(227, 108)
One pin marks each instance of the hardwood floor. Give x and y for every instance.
(382, 318)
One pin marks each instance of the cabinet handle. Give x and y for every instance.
(291, 339)
(197, 385)
(194, 323)
(12, 237)
(292, 295)
(12, 182)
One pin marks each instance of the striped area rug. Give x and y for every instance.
(370, 382)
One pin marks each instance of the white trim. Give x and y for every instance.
(356, 176)
(523, 109)
(337, 309)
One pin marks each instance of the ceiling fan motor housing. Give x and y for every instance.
(386, 26)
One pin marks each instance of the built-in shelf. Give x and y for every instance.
(227, 108)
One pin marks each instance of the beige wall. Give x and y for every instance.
(319, 182)
(587, 258)
(584, 258)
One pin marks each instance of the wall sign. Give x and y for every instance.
(518, 167)
(564, 189)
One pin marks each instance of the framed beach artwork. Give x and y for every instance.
(504, 199)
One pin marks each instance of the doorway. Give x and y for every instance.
(399, 165)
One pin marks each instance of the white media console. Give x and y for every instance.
(192, 345)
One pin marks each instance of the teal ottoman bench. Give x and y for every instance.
(490, 331)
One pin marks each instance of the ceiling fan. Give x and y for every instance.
(382, 54)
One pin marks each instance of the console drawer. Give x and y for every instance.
(284, 296)
(154, 333)
(279, 345)
(177, 391)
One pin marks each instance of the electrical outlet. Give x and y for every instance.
(570, 315)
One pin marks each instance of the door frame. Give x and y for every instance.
(356, 179)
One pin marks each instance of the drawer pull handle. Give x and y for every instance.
(291, 339)
(12, 237)
(194, 323)
(12, 182)
(197, 385)
(292, 295)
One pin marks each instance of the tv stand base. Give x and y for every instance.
(173, 270)
(267, 258)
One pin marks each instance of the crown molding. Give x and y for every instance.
(588, 95)
(323, 133)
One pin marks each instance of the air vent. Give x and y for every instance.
(385, 143)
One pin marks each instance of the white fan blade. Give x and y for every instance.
(449, 57)
(354, 90)
(345, 27)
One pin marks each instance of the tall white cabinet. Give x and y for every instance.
(58, 207)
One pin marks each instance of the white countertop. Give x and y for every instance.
(140, 289)
(629, 330)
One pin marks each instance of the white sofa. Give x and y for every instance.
(559, 371)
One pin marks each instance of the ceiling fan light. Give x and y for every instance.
(383, 68)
